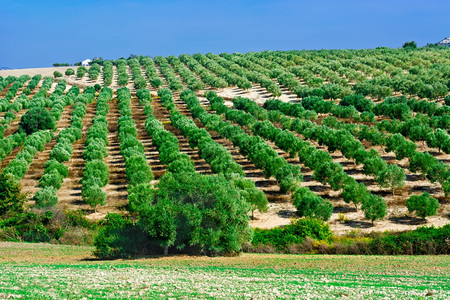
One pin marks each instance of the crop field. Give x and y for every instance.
(46, 271)
(327, 126)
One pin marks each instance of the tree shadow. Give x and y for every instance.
(407, 220)
(284, 213)
(358, 224)
(343, 209)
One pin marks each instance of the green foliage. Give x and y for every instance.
(410, 45)
(98, 169)
(374, 207)
(36, 118)
(93, 194)
(144, 96)
(309, 204)
(288, 177)
(354, 192)
(46, 197)
(69, 72)
(422, 241)
(51, 179)
(57, 74)
(120, 237)
(33, 227)
(252, 194)
(204, 213)
(12, 200)
(81, 71)
(392, 177)
(139, 196)
(424, 205)
(294, 233)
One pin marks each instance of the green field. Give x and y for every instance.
(43, 271)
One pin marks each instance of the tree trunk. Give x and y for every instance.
(166, 250)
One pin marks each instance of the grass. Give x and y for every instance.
(43, 271)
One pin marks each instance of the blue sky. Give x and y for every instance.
(39, 33)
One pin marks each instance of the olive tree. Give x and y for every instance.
(374, 208)
(424, 205)
(392, 177)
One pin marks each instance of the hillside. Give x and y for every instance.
(358, 137)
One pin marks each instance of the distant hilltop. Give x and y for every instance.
(444, 42)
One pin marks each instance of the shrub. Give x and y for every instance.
(53, 164)
(51, 178)
(137, 170)
(81, 71)
(140, 195)
(309, 204)
(60, 153)
(422, 241)
(36, 118)
(93, 195)
(98, 169)
(46, 197)
(12, 199)
(447, 100)
(120, 237)
(95, 150)
(156, 82)
(69, 72)
(294, 233)
(424, 205)
(57, 74)
(206, 213)
(374, 207)
(97, 87)
(144, 96)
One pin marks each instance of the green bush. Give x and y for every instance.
(424, 205)
(294, 233)
(98, 169)
(36, 118)
(53, 164)
(120, 237)
(93, 195)
(12, 199)
(374, 207)
(69, 72)
(422, 241)
(97, 87)
(309, 204)
(51, 178)
(81, 71)
(57, 74)
(140, 195)
(46, 197)
(32, 227)
(144, 96)
(95, 150)
(200, 214)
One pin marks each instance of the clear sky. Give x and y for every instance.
(40, 33)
